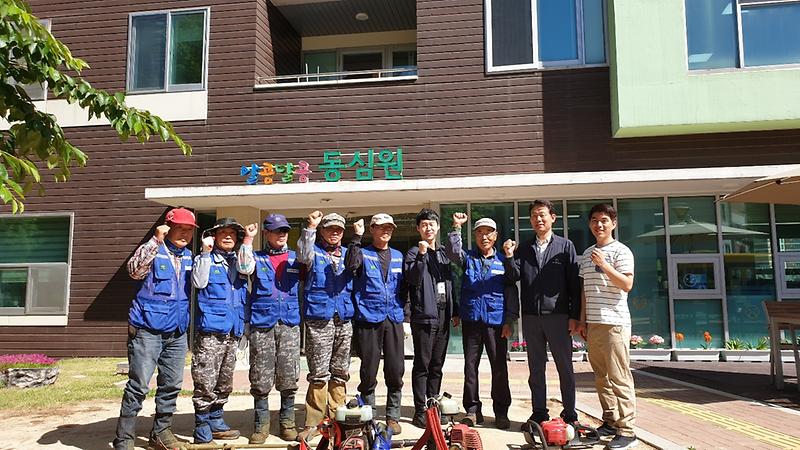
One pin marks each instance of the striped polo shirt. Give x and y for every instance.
(606, 303)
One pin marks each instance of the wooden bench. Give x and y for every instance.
(783, 315)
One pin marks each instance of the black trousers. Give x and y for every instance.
(476, 336)
(430, 348)
(553, 331)
(372, 339)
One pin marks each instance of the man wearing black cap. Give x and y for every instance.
(219, 323)
(158, 320)
(378, 289)
(273, 312)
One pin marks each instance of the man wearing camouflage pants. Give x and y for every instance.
(219, 324)
(327, 311)
(273, 312)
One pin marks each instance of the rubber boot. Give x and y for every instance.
(337, 396)
(261, 421)
(202, 429)
(316, 405)
(286, 417)
(126, 433)
(219, 429)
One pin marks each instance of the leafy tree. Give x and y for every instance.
(30, 55)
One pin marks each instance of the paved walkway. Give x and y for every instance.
(672, 414)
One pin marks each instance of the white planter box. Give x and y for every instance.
(696, 354)
(746, 355)
(578, 356)
(517, 356)
(787, 356)
(651, 354)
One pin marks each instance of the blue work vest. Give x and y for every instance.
(482, 289)
(328, 290)
(272, 300)
(162, 303)
(376, 298)
(221, 302)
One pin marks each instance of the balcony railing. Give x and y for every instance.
(334, 78)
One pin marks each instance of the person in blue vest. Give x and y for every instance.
(327, 313)
(486, 314)
(158, 320)
(219, 323)
(273, 315)
(380, 325)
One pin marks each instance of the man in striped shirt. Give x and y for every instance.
(607, 273)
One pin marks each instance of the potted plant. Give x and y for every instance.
(651, 351)
(27, 370)
(518, 350)
(578, 350)
(705, 353)
(740, 350)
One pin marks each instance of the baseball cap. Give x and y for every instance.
(181, 216)
(332, 220)
(485, 222)
(382, 218)
(275, 222)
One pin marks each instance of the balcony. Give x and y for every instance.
(338, 42)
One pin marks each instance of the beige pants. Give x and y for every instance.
(610, 360)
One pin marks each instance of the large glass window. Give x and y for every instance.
(34, 264)
(749, 275)
(787, 226)
(578, 223)
(525, 34)
(693, 318)
(456, 344)
(692, 225)
(648, 301)
(769, 33)
(167, 51)
(503, 215)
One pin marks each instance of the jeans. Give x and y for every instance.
(146, 351)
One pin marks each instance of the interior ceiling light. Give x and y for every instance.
(362, 16)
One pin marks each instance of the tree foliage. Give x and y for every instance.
(30, 55)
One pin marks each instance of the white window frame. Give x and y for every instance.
(580, 62)
(719, 279)
(780, 259)
(26, 311)
(167, 86)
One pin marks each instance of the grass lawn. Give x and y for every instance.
(80, 379)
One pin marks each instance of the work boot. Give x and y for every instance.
(126, 433)
(219, 429)
(337, 396)
(419, 420)
(501, 422)
(316, 403)
(261, 422)
(165, 440)
(202, 429)
(286, 418)
(394, 425)
(307, 434)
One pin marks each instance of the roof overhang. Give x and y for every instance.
(350, 195)
(333, 17)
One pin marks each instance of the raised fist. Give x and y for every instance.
(314, 219)
(251, 230)
(161, 232)
(208, 244)
(423, 247)
(358, 227)
(459, 219)
(508, 247)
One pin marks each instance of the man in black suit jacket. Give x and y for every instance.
(547, 268)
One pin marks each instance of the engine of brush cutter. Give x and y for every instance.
(462, 437)
(557, 432)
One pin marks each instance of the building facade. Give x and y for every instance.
(460, 105)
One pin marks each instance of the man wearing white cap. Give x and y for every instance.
(380, 312)
(486, 313)
(327, 311)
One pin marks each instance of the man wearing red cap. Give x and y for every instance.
(158, 320)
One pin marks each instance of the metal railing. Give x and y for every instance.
(339, 77)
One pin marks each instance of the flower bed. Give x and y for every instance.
(27, 370)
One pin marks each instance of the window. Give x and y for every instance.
(167, 51)
(525, 34)
(742, 33)
(34, 264)
(378, 61)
